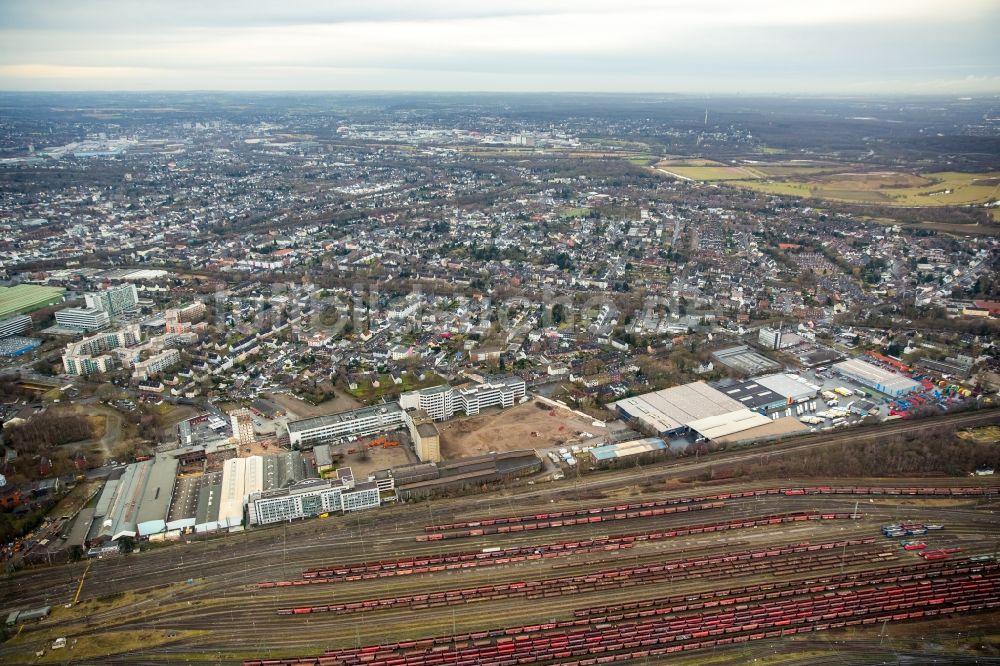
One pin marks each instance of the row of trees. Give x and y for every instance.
(935, 451)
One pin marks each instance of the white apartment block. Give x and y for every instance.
(90, 355)
(114, 300)
(156, 363)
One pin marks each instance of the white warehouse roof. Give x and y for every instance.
(723, 425)
(876, 376)
(679, 406)
(789, 386)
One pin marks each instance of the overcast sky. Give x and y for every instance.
(702, 46)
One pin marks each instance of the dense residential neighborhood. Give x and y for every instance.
(226, 322)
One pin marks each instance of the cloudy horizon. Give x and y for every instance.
(711, 47)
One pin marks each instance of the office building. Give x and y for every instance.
(85, 319)
(443, 402)
(305, 433)
(14, 325)
(769, 338)
(313, 497)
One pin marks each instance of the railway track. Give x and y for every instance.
(244, 620)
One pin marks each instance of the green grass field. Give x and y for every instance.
(712, 173)
(583, 211)
(368, 393)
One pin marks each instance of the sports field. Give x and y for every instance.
(25, 298)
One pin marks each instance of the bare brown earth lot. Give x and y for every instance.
(511, 429)
(298, 408)
(378, 457)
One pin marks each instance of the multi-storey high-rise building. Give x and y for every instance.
(114, 300)
(90, 354)
(156, 363)
(178, 320)
(770, 338)
(242, 420)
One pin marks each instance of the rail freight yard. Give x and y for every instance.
(644, 565)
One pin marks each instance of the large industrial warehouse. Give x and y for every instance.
(771, 393)
(697, 410)
(148, 499)
(883, 381)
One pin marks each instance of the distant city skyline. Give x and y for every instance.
(716, 46)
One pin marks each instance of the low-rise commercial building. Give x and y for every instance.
(305, 433)
(668, 412)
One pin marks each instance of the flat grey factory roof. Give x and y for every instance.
(107, 495)
(81, 527)
(322, 455)
(342, 417)
(185, 502)
(751, 394)
(124, 510)
(745, 359)
(209, 498)
(427, 430)
(155, 502)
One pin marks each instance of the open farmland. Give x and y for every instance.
(520, 427)
(849, 183)
(889, 188)
(706, 170)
